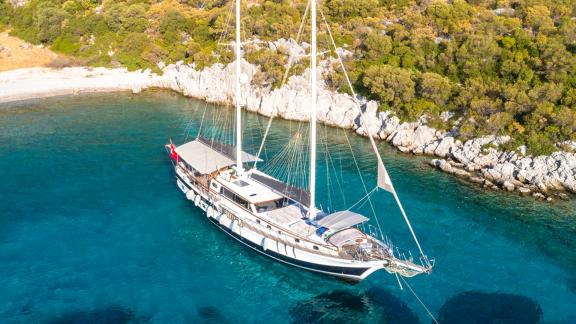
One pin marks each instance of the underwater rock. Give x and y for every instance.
(211, 314)
(479, 308)
(113, 314)
(340, 306)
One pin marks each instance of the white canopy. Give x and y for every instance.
(342, 219)
(205, 158)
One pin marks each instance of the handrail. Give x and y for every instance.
(328, 246)
(246, 223)
(362, 253)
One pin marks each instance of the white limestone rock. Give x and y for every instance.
(390, 124)
(423, 136)
(445, 146)
(370, 122)
(476, 158)
(404, 135)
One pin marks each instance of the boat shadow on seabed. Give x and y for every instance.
(377, 305)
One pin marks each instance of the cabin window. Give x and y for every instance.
(269, 205)
(235, 198)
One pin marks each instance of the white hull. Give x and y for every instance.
(242, 226)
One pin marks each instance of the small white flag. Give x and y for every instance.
(384, 181)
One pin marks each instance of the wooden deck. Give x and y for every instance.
(292, 218)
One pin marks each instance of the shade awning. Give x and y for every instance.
(300, 195)
(206, 157)
(341, 220)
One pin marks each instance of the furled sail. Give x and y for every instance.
(384, 181)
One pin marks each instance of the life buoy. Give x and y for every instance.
(197, 200)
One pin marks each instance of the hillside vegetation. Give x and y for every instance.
(504, 67)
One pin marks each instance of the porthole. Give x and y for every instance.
(315, 247)
(297, 240)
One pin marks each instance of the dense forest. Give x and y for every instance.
(504, 67)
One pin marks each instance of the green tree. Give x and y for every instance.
(499, 123)
(391, 85)
(173, 21)
(271, 66)
(435, 88)
(558, 63)
(377, 45)
(539, 143)
(5, 14)
(538, 18)
(134, 18)
(49, 23)
(113, 16)
(346, 9)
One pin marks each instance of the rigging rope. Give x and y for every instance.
(367, 195)
(223, 34)
(367, 129)
(363, 183)
(419, 300)
(284, 78)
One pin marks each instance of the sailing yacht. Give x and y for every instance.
(280, 220)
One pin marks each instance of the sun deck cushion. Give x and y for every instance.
(345, 237)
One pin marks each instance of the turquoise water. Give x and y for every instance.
(94, 229)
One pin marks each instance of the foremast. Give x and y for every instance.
(238, 50)
(313, 113)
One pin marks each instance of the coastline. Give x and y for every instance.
(478, 160)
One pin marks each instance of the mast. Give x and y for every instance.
(313, 75)
(238, 45)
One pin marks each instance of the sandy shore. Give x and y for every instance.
(33, 83)
(25, 74)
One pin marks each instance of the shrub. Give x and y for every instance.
(391, 85)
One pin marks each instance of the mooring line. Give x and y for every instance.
(419, 300)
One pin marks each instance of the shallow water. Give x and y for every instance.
(94, 229)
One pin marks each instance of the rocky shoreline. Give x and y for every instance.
(478, 160)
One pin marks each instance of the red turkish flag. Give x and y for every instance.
(173, 153)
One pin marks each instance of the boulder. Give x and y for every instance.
(444, 147)
(508, 186)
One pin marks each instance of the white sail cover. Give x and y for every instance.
(384, 181)
(341, 220)
(207, 159)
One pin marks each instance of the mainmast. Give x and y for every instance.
(313, 75)
(238, 45)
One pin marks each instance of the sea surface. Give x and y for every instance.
(94, 230)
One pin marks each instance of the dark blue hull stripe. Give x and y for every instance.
(308, 265)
